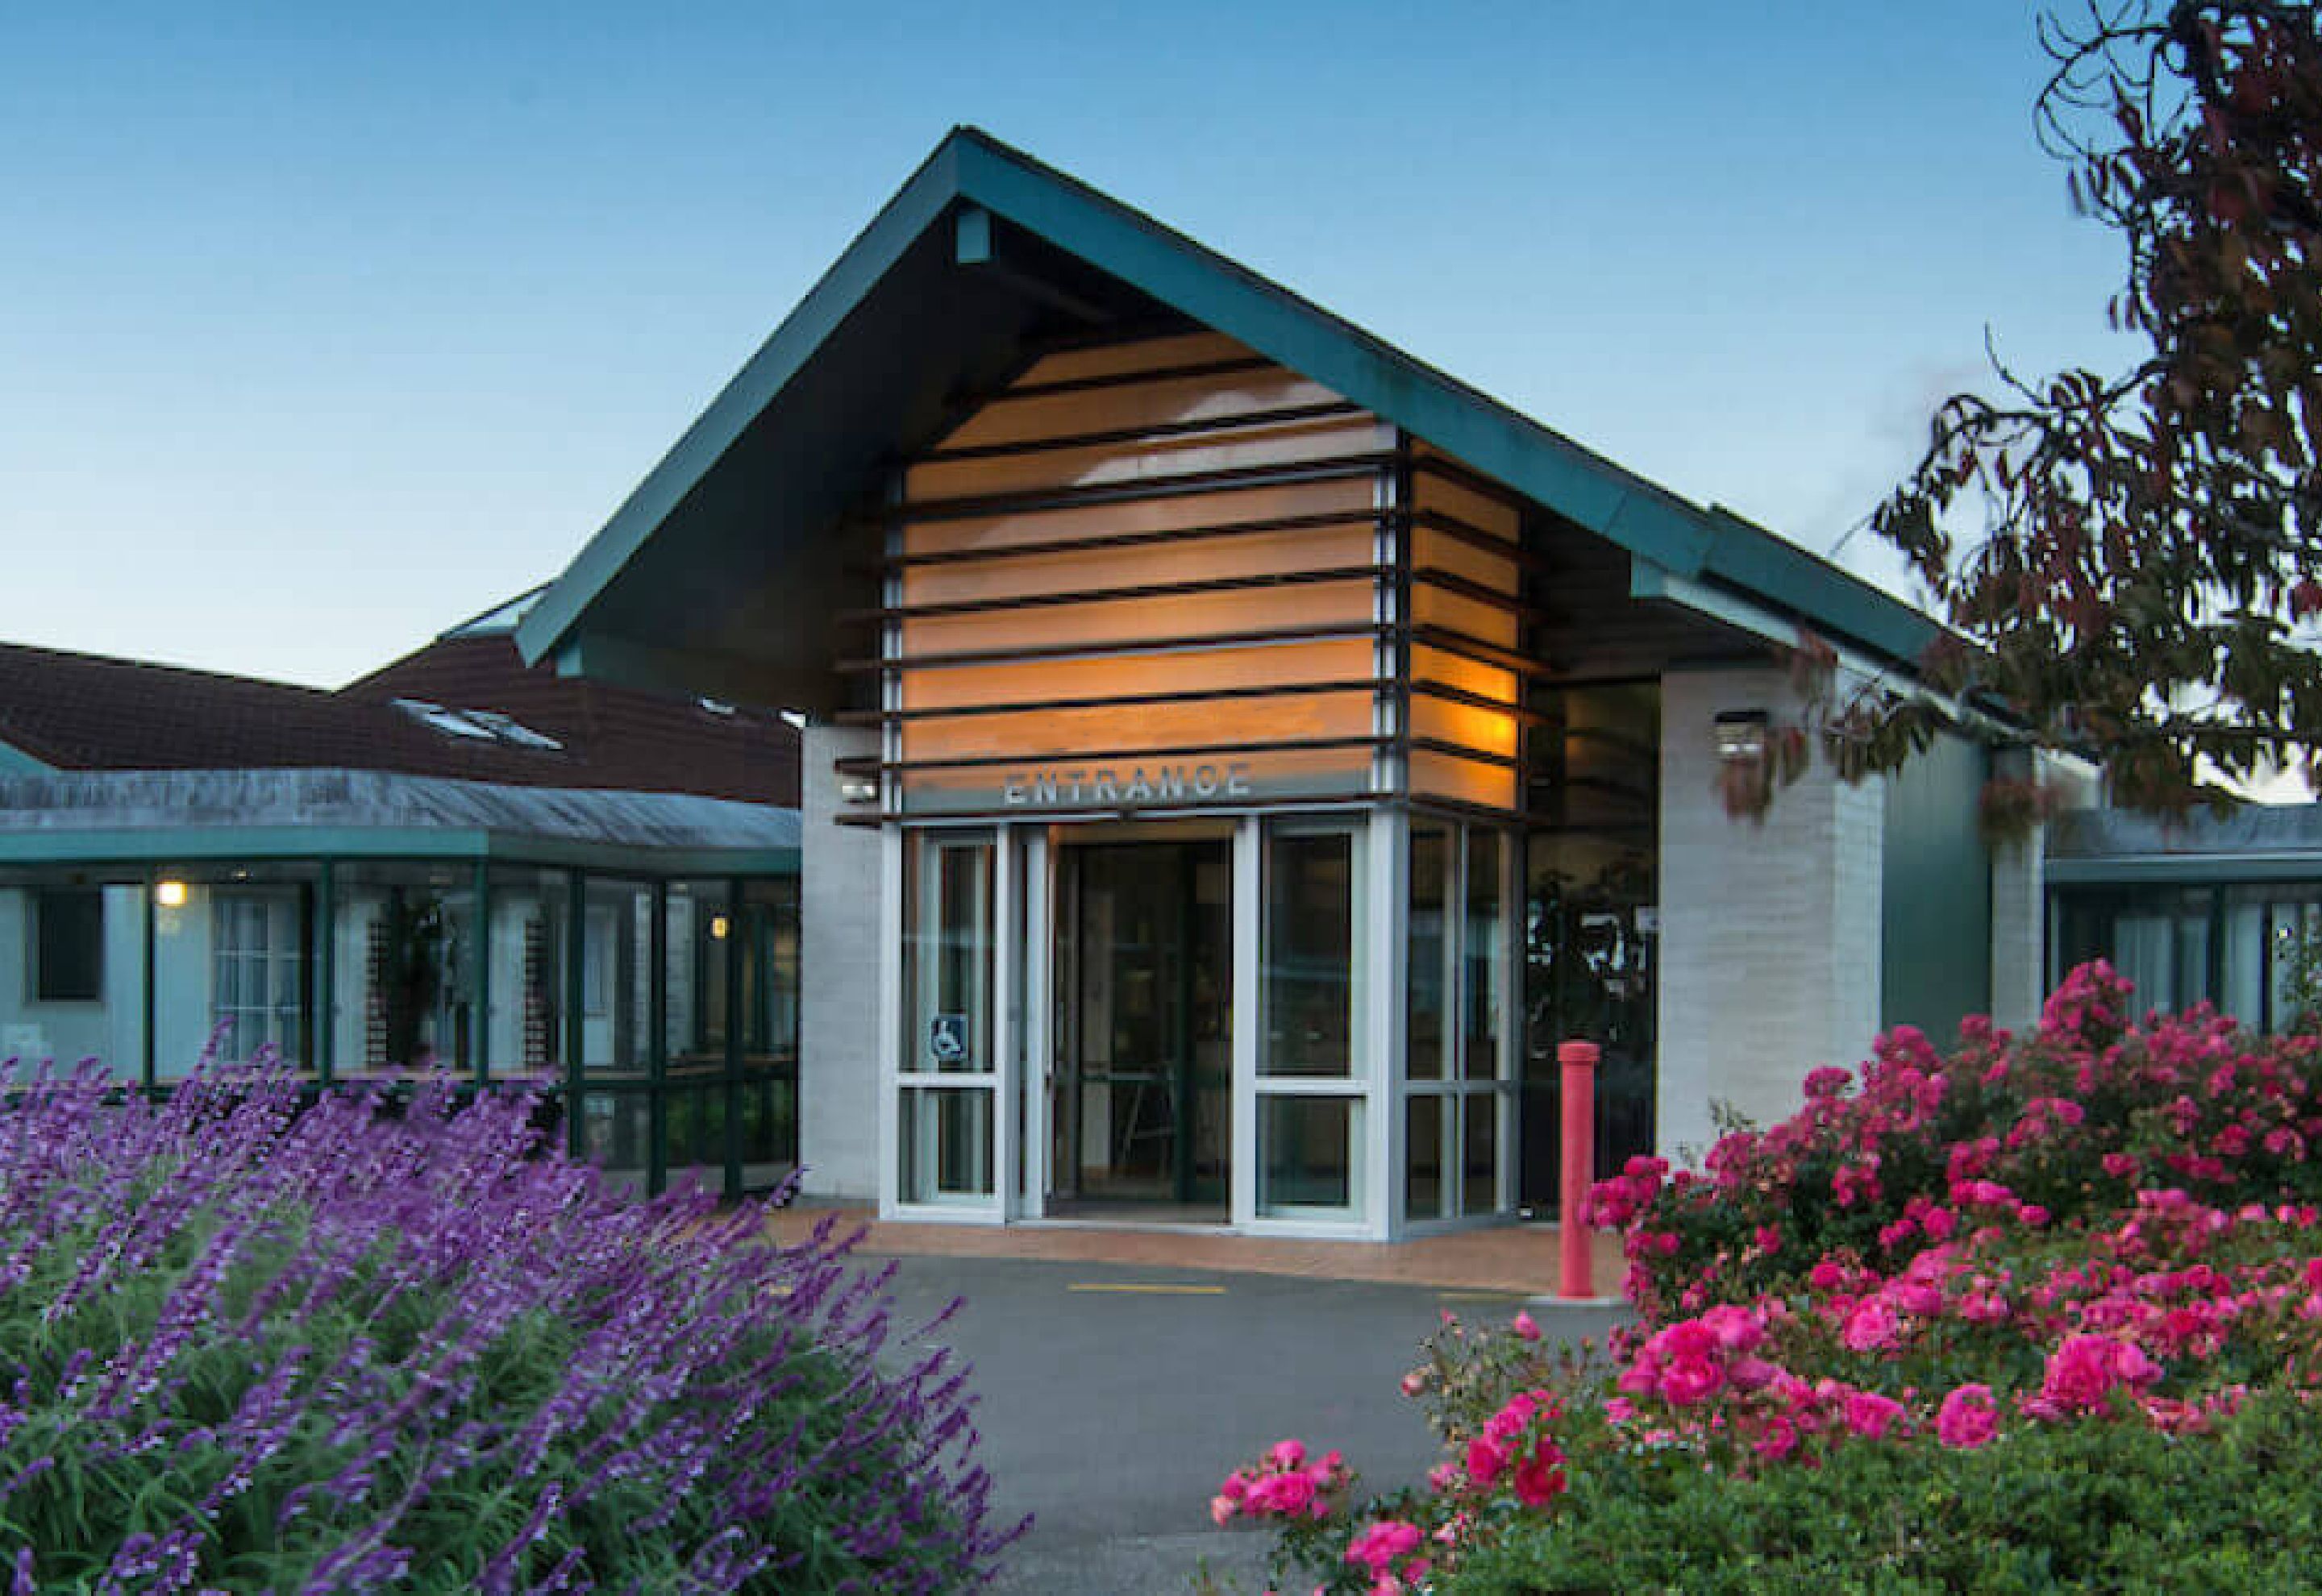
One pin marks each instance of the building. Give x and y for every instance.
(1239, 751)
(455, 861)
(2210, 909)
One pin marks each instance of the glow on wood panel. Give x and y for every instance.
(1495, 682)
(1121, 621)
(1303, 716)
(1223, 506)
(1219, 669)
(1446, 720)
(1461, 780)
(1274, 553)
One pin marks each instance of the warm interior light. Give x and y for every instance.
(170, 894)
(718, 928)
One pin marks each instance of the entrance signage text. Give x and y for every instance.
(1138, 784)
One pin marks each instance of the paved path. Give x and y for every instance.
(1114, 1398)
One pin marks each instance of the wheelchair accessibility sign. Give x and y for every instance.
(947, 1038)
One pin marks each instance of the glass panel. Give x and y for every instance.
(616, 1128)
(405, 964)
(1422, 1180)
(947, 1152)
(696, 1130)
(1430, 863)
(531, 915)
(769, 1005)
(699, 941)
(947, 956)
(1484, 957)
(1308, 951)
(1306, 1152)
(617, 977)
(1479, 1154)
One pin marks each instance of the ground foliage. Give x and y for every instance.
(257, 1342)
(2044, 1312)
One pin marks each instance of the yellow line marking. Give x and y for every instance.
(1149, 1290)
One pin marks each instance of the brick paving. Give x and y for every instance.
(1520, 1260)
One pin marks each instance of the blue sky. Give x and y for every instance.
(322, 327)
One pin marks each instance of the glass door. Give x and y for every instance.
(1140, 1100)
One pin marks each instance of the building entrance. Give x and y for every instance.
(1141, 1091)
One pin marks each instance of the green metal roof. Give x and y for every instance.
(865, 368)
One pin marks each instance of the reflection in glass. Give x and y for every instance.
(1422, 1185)
(531, 915)
(947, 1152)
(1430, 864)
(1484, 955)
(1305, 1150)
(947, 956)
(1479, 1190)
(1308, 951)
(616, 977)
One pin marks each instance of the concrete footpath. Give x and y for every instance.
(1114, 1397)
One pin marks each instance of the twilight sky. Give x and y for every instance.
(323, 327)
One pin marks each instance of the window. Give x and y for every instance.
(260, 965)
(67, 944)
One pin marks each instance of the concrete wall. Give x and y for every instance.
(1770, 930)
(839, 938)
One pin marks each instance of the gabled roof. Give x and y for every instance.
(863, 371)
(88, 712)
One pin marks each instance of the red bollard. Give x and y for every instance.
(1579, 1060)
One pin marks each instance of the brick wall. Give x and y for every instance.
(838, 977)
(1770, 931)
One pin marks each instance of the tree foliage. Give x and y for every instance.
(2148, 566)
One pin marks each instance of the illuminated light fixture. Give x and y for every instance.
(170, 894)
(718, 928)
(858, 790)
(1741, 736)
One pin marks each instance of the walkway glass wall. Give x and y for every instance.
(665, 1012)
(2230, 945)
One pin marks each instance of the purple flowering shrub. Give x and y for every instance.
(350, 1345)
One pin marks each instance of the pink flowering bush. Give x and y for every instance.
(2045, 1312)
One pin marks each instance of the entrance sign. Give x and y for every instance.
(1136, 784)
(947, 1038)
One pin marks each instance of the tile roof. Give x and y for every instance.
(87, 712)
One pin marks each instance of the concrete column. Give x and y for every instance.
(838, 974)
(2019, 902)
(1770, 930)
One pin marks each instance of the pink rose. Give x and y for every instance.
(1539, 1478)
(1526, 1327)
(1871, 1414)
(1689, 1381)
(1486, 1464)
(1968, 1417)
(1222, 1508)
(1870, 1327)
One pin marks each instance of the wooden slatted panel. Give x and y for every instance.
(1462, 586)
(1005, 551)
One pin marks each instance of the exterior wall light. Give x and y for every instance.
(170, 894)
(718, 928)
(1741, 736)
(858, 790)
